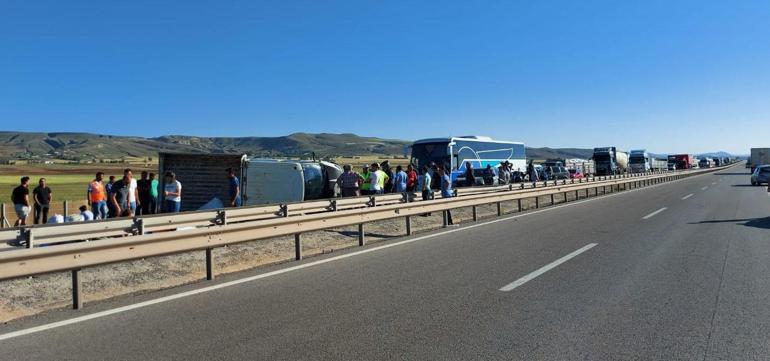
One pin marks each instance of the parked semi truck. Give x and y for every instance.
(609, 161)
(639, 161)
(682, 161)
(759, 156)
(263, 181)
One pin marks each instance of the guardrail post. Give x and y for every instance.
(29, 237)
(577, 194)
(139, 224)
(518, 201)
(283, 210)
(445, 219)
(66, 209)
(77, 290)
(408, 225)
(552, 199)
(221, 217)
(361, 235)
(537, 202)
(209, 264)
(298, 246)
(475, 212)
(3, 218)
(499, 209)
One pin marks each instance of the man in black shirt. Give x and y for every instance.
(143, 187)
(42, 196)
(20, 198)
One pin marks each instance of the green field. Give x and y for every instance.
(64, 187)
(66, 182)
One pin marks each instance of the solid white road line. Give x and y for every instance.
(688, 196)
(653, 214)
(704, 188)
(713, 183)
(113, 311)
(511, 286)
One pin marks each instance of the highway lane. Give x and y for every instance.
(686, 283)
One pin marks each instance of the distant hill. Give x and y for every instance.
(86, 146)
(78, 146)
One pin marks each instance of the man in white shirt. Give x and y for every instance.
(133, 193)
(374, 181)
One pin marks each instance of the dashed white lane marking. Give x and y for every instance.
(688, 196)
(511, 286)
(713, 183)
(704, 188)
(653, 214)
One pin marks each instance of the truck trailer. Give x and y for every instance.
(682, 161)
(263, 181)
(759, 156)
(610, 161)
(639, 161)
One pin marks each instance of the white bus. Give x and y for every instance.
(454, 152)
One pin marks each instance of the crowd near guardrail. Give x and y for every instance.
(61, 247)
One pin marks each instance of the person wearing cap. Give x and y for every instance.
(172, 191)
(235, 188)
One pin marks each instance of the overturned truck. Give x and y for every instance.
(263, 181)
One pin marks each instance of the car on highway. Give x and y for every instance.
(575, 174)
(555, 173)
(761, 175)
(478, 177)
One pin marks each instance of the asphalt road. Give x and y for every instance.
(691, 282)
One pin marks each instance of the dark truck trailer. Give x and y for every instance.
(203, 176)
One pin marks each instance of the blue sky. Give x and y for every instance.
(669, 76)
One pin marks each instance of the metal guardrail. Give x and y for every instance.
(53, 234)
(74, 257)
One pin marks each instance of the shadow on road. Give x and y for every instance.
(745, 185)
(355, 234)
(749, 173)
(763, 223)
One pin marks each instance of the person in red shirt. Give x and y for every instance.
(411, 178)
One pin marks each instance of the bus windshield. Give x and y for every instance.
(424, 153)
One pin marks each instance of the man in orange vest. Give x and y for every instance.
(98, 197)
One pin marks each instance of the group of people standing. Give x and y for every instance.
(380, 179)
(111, 198)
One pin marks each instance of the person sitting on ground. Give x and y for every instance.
(87, 215)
